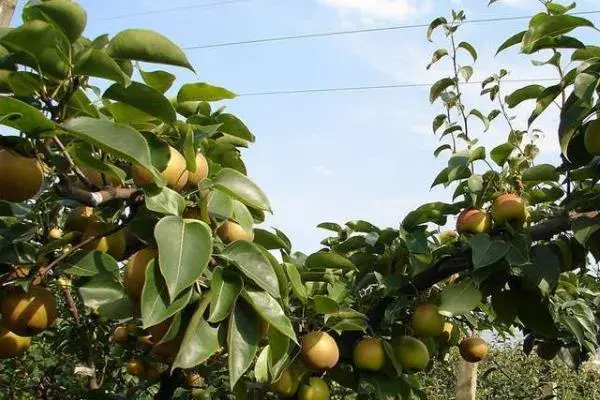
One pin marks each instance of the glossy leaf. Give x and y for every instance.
(23, 117)
(543, 26)
(117, 139)
(92, 264)
(225, 289)
(203, 92)
(297, 285)
(68, 16)
(200, 340)
(232, 125)
(220, 205)
(242, 341)
(269, 241)
(100, 290)
(146, 45)
(144, 98)
(164, 201)
(321, 260)
(253, 264)
(240, 187)
(159, 80)
(156, 306)
(460, 298)
(271, 311)
(511, 41)
(184, 248)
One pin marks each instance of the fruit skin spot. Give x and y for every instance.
(319, 351)
(28, 313)
(21, 178)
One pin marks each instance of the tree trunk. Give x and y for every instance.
(466, 380)
(7, 9)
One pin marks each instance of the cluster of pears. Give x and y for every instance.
(24, 314)
(426, 323)
(506, 208)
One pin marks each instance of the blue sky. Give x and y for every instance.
(344, 155)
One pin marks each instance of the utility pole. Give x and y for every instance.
(466, 380)
(7, 9)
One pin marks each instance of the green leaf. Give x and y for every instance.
(184, 248)
(280, 353)
(435, 24)
(270, 310)
(39, 45)
(325, 305)
(240, 187)
(269, 241)
(468, 47)
(232, 125)
(544, 270)
(295, 279)
(543, 26)
(92, 264)
(220, 205)
(242, 341)
(156, 306)
(225, 288)
(525, 93)
(349, 320)
(164, 201)
(146, 45)
(438, 87)
(253, 264)
(501, 154)
(203, 92)
(200, 341)
(544, 99)
(487, 251)
(82, 155)
(466, 72)
(586, 53)
(535, 314)
(99, 64)
(482, 118)
(542, 172)
(443, 147)
(435, 212)
(242, 216)
(460, 298)
(261, 367)
(505, 305)
(159, 80)
(362, 226)
(330, 226)
(437, 55)
(438, 121)
(144, 98)
(328, 260)
(68, 16)
(23, 117)
(117, 139)
(100, 290)
(511, 41)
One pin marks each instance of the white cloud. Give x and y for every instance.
(381, 10)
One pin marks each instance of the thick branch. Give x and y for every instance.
(94, 199)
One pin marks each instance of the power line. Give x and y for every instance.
(175, 9)
(358, 31)
(379, 87)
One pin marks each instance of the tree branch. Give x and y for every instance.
(94, 199)
(447, 266)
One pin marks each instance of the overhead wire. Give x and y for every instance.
(380, 87)
(359, 31)
(174, 9)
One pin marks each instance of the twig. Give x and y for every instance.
(72, 164)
